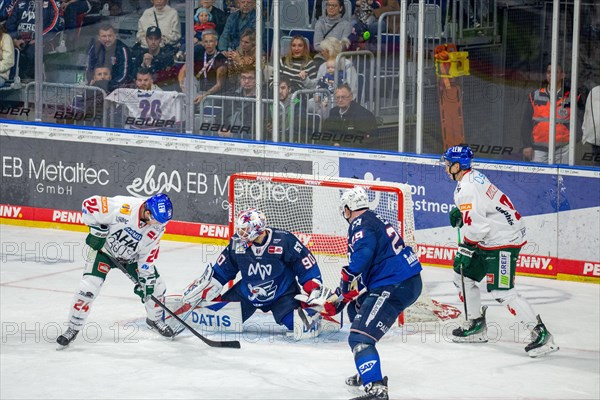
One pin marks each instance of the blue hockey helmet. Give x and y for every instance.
(161, 208)
(462, 154)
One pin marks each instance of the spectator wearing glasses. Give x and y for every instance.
(350, 124)
(332, 23)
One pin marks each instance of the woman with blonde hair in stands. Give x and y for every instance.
(7, 55)
(297, 64)
(244, 56)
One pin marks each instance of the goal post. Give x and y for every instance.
(308, 206)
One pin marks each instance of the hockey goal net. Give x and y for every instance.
(309, 208)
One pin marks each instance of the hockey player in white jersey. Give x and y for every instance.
(128, 229)
(492, 234)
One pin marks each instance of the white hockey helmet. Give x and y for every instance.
(249, 225)
(355, 199)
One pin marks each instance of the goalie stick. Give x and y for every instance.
(233, 344)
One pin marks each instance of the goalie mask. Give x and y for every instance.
(249, 225)
(355, 199)
(161, 208)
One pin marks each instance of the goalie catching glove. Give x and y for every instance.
(314, 294)
(145, 287)
(206, 287)
(97, 237)
(347, 291)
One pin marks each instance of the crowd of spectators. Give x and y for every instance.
(224, 48)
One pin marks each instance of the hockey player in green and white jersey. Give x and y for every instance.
(492, 233)
(128, 229)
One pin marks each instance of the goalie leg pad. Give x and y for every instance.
(153, 311)
(472, 295)
(89, 288)
(517, 306)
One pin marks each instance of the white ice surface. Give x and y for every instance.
(117, 357)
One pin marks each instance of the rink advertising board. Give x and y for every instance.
(47, 172)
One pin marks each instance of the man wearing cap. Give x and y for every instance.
(164, 17)
(156, 59)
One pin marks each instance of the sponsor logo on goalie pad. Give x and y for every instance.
(211, 316)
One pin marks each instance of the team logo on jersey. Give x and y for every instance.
(465, 207)
(275, 250)
(125, 209)
(504, 270)
(263, 292)
(491, 191)
(260, 269)
(366, 367)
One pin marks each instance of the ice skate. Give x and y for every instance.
(162, 328)
(375, 391)
(542, 341)
(472, 331)
(66, 338)
(354, 380)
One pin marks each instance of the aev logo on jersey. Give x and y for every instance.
(259, 269)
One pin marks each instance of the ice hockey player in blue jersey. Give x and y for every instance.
(380, 262)
(269, 262)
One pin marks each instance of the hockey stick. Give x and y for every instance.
(462, 281)
(234, 344)
(185, 316)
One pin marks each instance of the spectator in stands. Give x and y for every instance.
(238, 120)
(238, 22)
(332, 24)
(144, 80)
(591, 123)
(7, 55)
(21, 27)
(202, 22)
(71, 10)
(159, 61)
(163, 16)
(89, 106)
(210, 68)
(297, 64)
(350, 124)
(536, 121)
(219, 17)
(364, 23)
(330, 48)
(108, 51)
(6, 7)
(388, 6)
(285, 100)
(244, 56)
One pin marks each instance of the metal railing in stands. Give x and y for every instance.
(69, 104)
(232, 116)
(311, 108)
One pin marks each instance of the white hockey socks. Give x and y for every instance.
(89, 288)
(153, 311)
(472, 296)
(517, 306)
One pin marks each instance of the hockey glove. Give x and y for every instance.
(206, 287)
(334, 304)
(145, 287)
(464, 255)
(348, 285)
(456, 218)
(97, 237)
